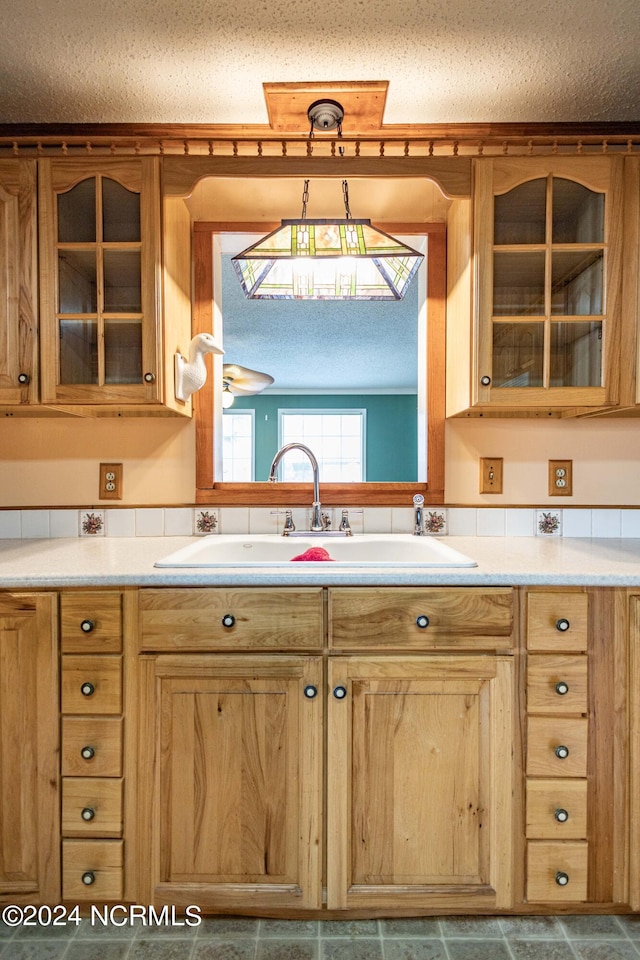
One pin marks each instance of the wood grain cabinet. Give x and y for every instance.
(107, 346)
(92, 755)
(541, 269)
(18, 284)
(575, 745)
(29, 745)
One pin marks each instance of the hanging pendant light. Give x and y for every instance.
(340, 259)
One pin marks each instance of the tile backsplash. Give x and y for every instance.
(201, 521)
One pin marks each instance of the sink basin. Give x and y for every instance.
(269, 550)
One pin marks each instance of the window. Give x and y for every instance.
(238, 446)
(336, 438)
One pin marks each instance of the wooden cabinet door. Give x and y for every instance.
(29, 745)
(230, 783)
(419, 782)
(99, 281)
(18, 283)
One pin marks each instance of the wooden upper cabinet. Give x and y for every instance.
(100, 284)
(546, 282)
(18, 283)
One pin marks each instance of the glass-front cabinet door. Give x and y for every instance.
(100, 228)
(548, 240)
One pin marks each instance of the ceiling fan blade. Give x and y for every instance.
(244, 382)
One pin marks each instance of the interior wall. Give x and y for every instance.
(56, 462)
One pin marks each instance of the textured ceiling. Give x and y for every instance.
(204, 61)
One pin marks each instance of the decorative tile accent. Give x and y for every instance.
(435, 522)
(548, 523)
(92, 524)
(206, 522)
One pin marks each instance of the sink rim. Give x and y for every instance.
(189, 556)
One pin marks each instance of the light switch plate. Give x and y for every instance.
(490, 474)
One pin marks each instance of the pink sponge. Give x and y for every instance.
(314, 553)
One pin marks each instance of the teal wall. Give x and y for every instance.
(391, 441)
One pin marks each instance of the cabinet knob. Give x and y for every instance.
(422, 621)
(88, 877)
(87, 626)
(485, 381)
(149, 377)
(561, 752)
(339, 692)
(562, 624)
(228, 620)
(87, 753)
(310, 691)
(562, 879)
(561, 815)
(88, 813)
(24, 378)
(87, 689)
(562, 688)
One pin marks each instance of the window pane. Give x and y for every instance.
(336, 439)
(518, 284)
(517, 354)
(576, 354)
(120, 213)
(77, 281)
(519, 215)
(578, 213)
(122, 285)
(77, 213)
(78, 351)
(577, 281)
(237, 447)
(123, 351)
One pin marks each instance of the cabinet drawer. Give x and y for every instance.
(91, 807)
(557, 809)
(225, 619)
(546, 736)
(557, 622)
(99, 862)
(103, 735)
(91, 684)
(421, 618)
(91, 622)
(549, 863)
(556, 685)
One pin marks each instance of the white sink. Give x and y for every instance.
(269, 550)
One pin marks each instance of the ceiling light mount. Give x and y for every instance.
(325, 115)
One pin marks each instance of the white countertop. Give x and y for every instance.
(115, 561)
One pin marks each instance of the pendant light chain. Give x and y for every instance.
(345, 194)
(305, 200)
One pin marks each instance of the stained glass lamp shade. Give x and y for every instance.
(326, 260)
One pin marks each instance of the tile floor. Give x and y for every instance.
(432, 938)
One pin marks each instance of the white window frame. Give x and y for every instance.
(248, 412)
(325, 411)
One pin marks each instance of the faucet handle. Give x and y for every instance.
(326, 521)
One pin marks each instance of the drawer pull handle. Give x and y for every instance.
(228, 620)
(562, 752)
(339, 692)
(422, 621)
(310, 691)
(87, 753)
(88, 877)
(87, 689)
(24, 378)
(562, 624)
(561, 815)
(87, 626)
(485, 381)
(562, 688)
(88, 813)
(562, 879)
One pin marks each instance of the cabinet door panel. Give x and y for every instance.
(419, 782)
(29, 857)
(237, 778)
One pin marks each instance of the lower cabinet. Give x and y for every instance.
(29, 745)
(231, 781)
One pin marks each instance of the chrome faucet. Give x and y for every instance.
(418, 526)
(316, 516)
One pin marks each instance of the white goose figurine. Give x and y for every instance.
(191, 374)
